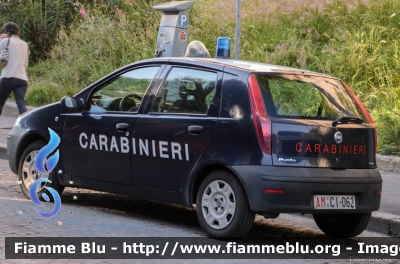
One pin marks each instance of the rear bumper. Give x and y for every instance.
(301, 184)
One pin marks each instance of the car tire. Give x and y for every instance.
(27, 172)
(342, 225)
(222, 206)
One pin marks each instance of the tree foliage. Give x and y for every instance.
(39, 21)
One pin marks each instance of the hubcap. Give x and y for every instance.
(218, 204)
(29, 172)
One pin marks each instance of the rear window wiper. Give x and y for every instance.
(347, 119)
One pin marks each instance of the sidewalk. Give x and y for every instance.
(383, 221)
(7, 119)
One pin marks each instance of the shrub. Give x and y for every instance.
(388, 127)
(96, 46)
(39, 21)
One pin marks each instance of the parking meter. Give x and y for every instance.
(173, 31)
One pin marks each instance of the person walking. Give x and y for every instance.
(13, 77)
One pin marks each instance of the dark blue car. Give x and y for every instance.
(232, 138)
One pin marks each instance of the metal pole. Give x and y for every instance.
(237, 41)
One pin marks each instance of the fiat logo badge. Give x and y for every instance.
(338, 137)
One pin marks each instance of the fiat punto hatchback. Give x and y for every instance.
(231, 138)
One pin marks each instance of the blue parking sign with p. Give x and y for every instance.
(183, 20)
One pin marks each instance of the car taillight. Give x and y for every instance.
(262, 123)
(364, 112)
(275, 191)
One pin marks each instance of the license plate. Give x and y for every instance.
(334, 202)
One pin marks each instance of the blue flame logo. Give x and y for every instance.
(46, 167)
(35, 199)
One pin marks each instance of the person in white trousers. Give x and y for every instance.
(13, 77)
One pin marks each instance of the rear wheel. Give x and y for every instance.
(342, 225)
(222, 206)
(27, 173)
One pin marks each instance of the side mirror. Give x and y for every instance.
(72, 102)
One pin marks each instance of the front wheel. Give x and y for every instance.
(222, 206)
(27, 173)
(342, 225)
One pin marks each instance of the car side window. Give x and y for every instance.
(125, 92)
(186, 91)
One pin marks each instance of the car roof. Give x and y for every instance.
(249, 66)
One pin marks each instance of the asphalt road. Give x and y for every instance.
(86, 213)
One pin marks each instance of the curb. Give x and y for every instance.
(388, 163)
(385, 163)
(387, 224)
(10, 109)
(3, 152)
(383, 223)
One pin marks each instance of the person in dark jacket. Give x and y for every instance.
(13, 77)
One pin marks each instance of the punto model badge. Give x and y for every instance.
(338, 137)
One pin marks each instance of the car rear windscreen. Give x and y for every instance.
(306, 97)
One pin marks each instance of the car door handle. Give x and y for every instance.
(194, 130)
(122, 126)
